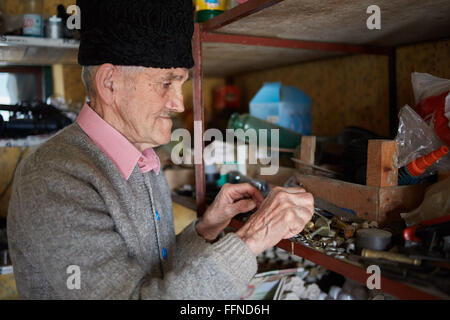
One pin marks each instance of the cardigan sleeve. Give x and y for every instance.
(51, 227)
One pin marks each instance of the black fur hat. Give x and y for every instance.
(148, 33)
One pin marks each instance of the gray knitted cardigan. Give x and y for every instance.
(70, 206)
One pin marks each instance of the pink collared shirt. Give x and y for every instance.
(121, 151)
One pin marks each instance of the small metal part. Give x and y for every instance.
(347, 229)
(350, 248)
(373, 224)
(374, 239)
(364, 225)
(309, 227)
(397, 257)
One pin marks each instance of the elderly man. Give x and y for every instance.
(90, 215)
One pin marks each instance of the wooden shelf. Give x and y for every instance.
(318, 26)
(19, 50)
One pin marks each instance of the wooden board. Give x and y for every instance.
(381, 157)
(395, 200)
(381, 204)
(359, 198)
(402, 21)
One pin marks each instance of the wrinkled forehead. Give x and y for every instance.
(173, 74)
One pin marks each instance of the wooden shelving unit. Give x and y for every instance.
(270, 33)
(20, 50)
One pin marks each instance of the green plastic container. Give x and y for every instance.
(288, 138)
(205, 15)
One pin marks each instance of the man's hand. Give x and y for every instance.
(282, 215)
(231, 200)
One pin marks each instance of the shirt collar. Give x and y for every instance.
(118, 149)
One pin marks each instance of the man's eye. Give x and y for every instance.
(166, 85)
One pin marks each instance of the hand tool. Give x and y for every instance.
(335, 210)
(411, 233)
(397, 257)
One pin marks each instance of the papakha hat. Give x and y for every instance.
(148, 33)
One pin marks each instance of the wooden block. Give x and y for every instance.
(308, 149)
(305, 152)
(395, 200)
(381, 157)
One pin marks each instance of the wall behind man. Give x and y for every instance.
(354, 90)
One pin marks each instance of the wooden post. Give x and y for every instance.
(308, 149)
(199, 123)
(306, 153)
(381, 157)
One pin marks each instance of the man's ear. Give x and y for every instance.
(104, 82)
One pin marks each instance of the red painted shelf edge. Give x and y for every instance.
(392, 287)
(241, 11)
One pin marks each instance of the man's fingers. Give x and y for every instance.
(297, 218)
(287, 199)
(239, 191)
(242, 206)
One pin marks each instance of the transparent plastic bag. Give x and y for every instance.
(415, 139)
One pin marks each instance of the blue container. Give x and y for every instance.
(285, 106)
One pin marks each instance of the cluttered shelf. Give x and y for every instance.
(350, 267)
(270, 33)
(353, 269)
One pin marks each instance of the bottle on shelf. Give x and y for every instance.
(33, 23)
(410, 174)
(287, 138)
(207, 9)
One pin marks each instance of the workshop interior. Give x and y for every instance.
(358, 93)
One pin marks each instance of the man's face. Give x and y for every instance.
(145, 101)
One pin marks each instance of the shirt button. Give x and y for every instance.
(157, 215)
(164, 253)
(141, 159)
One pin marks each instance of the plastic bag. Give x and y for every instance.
(426, 85)
(436, 203)
(432, 95)
(415, 139)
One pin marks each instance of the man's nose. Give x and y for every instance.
(175, 102)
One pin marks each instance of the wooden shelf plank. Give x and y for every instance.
(235, 40)
(19, 50)
(402, 21)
